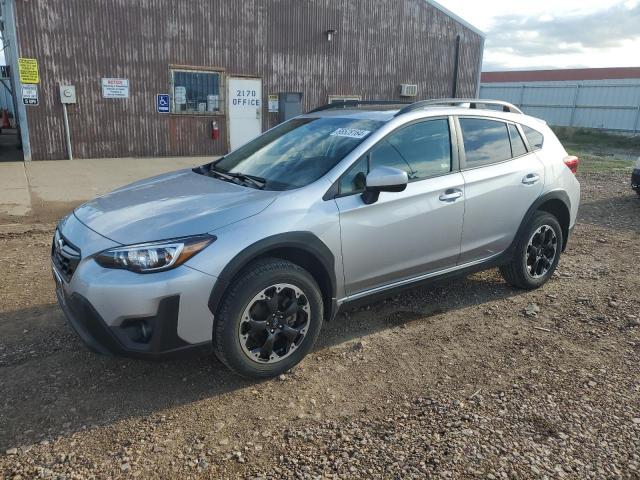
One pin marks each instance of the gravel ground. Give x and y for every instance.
(470, 379)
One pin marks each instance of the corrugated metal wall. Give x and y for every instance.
(602, 104)
(379, 44)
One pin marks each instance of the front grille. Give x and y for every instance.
(65, 256)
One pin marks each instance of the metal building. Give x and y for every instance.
(224, 66)
(602, 98)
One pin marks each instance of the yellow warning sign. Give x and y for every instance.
(28, 68)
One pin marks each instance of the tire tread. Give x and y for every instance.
(513, 272)
(252, 272)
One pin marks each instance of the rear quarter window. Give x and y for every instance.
(517, 145)
(534, 137)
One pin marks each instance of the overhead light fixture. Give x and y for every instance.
(330, 33)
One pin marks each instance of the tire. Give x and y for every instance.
(523, 271)
(257, 307)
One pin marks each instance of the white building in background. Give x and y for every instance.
(603, 98)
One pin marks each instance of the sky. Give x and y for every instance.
(542, 34)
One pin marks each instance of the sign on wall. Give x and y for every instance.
(28, 70)
(273, 103)
(162, 103)
(180, 95)
(30, 95)
(115, 88)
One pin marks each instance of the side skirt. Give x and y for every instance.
(440, 276)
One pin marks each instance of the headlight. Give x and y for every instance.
(155, 256)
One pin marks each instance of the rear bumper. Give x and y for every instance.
(160, 339)
(635, 180)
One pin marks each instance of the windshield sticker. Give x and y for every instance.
(350, 133)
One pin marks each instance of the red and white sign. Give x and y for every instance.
(115, 88)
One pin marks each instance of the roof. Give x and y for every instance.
(457, 18)
(570, 74)
(379, 114)
(385, 115)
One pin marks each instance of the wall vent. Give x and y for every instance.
(407, 90)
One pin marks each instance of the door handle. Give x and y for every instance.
(450, 195)
(531, 178)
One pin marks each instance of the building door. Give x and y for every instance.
(245, 110)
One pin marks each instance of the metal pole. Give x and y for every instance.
(67, 133)
(575, 103)
(636, 124)
(9, 18)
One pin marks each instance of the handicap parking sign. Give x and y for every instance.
(162, 103)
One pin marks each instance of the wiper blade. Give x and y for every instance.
(259, 182)
(222, 175)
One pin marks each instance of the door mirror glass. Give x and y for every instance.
(384, 179)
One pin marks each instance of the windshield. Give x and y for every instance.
(297, 152)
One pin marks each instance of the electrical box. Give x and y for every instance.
(289, 105)
(67, 94)
(408, 90)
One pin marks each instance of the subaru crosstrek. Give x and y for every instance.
(249, 254)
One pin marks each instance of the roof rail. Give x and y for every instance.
(473, 103)
(355, 103)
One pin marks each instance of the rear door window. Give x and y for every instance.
(517, 144)
(485, 141)
(535, 138)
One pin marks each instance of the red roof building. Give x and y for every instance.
(569, 74)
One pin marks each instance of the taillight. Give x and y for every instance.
(572, 162)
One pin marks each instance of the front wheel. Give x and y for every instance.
(537, 253)
(269, 319)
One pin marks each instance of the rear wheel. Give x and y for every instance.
(537, 253)
(269, 319)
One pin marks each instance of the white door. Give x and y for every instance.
(245, 110)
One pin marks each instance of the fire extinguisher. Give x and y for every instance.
(215, 131)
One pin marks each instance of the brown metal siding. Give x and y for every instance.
(379, 44)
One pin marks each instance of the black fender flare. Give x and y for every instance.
(535, 206)
(300, 240)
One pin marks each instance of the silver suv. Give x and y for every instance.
(249, 254)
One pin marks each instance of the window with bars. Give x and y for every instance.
(196, 92)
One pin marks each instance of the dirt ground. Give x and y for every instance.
(469, 379)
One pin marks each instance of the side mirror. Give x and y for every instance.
(384, 179)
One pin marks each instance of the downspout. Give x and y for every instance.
(456, 67)
(480, 67)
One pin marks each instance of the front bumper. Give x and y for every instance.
(635, 180)
(153, 337)
(120, 312)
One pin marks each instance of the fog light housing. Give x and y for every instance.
(138, 330)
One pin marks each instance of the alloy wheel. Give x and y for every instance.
(274, 323)
(541, 251)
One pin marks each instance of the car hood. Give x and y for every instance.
(172, 205)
